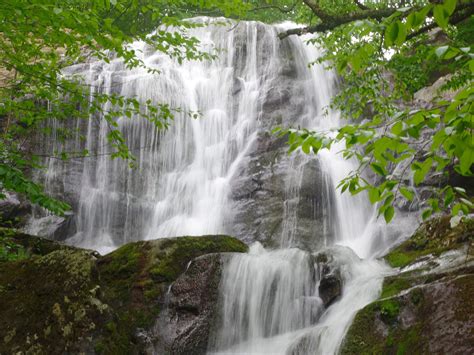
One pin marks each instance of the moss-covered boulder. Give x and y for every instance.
(49, 299)
(427, 307)
(433, 237)
(136, 278)
(59, 299)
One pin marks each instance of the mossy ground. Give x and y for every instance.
(62, 299)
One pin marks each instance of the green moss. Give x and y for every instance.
(377, 328)
(433, 237)
(182, 250)
(394, 285)
(48, 300)
(389, 310)
(376, 331)
(362, 337)
(401, 258)
(416, 296)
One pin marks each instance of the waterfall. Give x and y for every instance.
(223, 173)
(269, 299)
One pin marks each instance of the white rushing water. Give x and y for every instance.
(270, 299)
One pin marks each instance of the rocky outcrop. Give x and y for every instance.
(426, 308)
(13, 211)
(330, 284)
(192, 307)
(60, 299)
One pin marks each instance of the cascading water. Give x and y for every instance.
(270, 300)
(182, 186)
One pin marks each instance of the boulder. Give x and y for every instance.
(192, 307)
(61, 299)
(330, 278)
(53, 227)
(330, 289)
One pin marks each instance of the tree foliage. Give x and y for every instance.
(383, 53)
(38, 38)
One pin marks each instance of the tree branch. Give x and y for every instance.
(331, 22)
(360, 5)
(462, 12)
(314, 6)
(460, 15)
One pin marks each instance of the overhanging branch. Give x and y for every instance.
(331, 22)
(463, 11)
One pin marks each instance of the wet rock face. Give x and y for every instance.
(192, 308)
(272, 188)
(53, 227)
(330, 289)
(260, 189)
(331, 283)
(436, 318)
(428, 307)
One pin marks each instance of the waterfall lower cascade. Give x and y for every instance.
(186, 179)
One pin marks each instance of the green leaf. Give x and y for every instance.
(465, 162)
(441, 16)
(408, 194)
(402, 34)
(397, 128)
(411, 20)
(391, 33)
(448, 197)
(450, 6)
(389, 213)
(423, 169)
(426, 214)
(379, 169)
(374, 195)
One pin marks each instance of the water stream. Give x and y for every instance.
(269, 298)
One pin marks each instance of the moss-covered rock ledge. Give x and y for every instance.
(428, 307)
(58, 299)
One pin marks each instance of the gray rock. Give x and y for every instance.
(330, 278)
(192, 307)
(53, 227)
(13, 211)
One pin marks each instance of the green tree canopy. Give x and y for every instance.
(384, 51)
